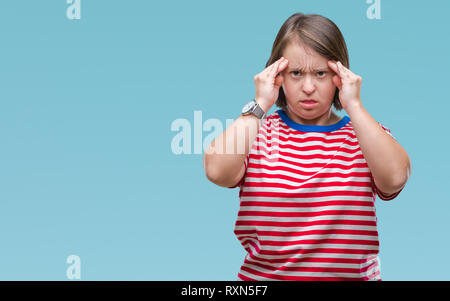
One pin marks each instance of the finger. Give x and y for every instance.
(334, 66)
(349, 76)
(337, 77)
(269, 69)
(280, 67)
(343, 71)
(343, 67)
(283, 65)
(275, 66)
(277, 61)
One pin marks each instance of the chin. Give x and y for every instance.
(307, 114)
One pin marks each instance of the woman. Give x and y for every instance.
(308, 179)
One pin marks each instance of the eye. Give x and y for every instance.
(296, 73)
(321, 74)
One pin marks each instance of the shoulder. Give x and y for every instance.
(382, 125)
(273, 118)
(271, 121)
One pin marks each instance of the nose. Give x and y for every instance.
(308, 85)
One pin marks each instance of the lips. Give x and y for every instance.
(309, 104)
(309, 101)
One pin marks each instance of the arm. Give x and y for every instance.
(387, 159)
(224, 159)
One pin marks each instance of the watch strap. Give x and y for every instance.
(258, 111)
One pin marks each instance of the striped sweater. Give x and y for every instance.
(307, 207)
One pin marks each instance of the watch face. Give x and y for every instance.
(248, 107)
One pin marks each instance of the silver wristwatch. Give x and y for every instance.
(253, 108)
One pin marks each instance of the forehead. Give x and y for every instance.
(303, 57)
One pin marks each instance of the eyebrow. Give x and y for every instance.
(321, 68)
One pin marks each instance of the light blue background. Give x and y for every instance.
(86, 165)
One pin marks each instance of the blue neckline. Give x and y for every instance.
(312, 128)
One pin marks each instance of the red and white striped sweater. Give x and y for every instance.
(307, 207)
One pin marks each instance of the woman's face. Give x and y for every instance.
(308, 77)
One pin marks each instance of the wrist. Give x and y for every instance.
(354, 107)
(263, 104)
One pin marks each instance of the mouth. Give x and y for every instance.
(308, 104)
(309, 101)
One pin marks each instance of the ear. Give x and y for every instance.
(278, 81)
(337, 81)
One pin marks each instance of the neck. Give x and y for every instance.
(326, 119)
